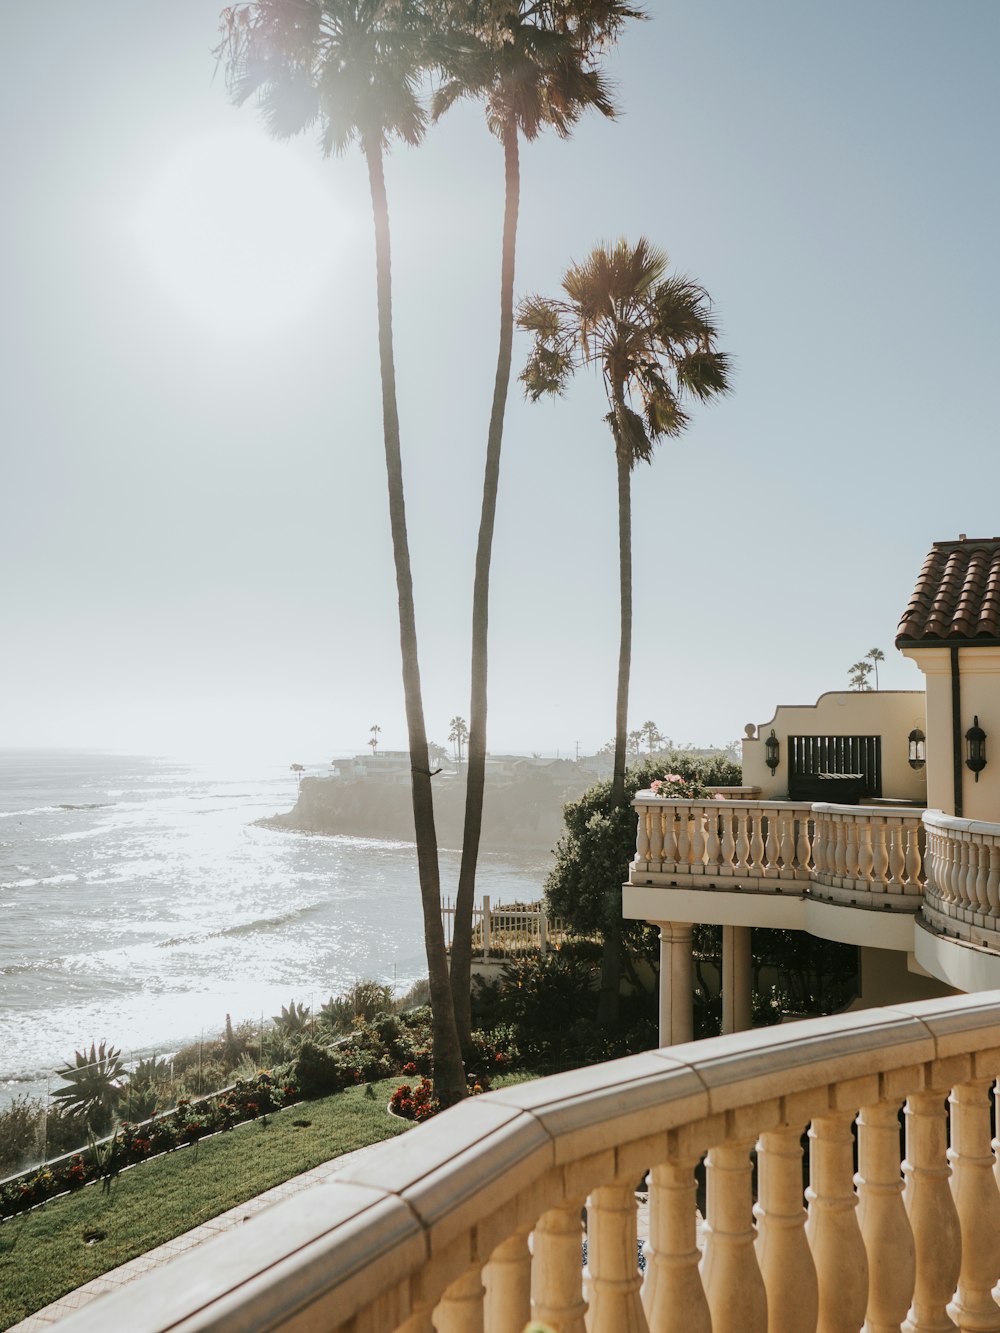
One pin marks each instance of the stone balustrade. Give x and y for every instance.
(474, 1223)
(963, 878)
(867, 856)
(857, 855)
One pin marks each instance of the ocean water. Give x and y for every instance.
(139, 903)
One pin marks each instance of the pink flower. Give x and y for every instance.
(654, 787)
(673, 777)
(718, 796)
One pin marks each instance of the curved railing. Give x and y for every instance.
(857, 855)
(475, 1220)
(963, 877)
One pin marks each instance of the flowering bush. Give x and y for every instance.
(678, 788)
(417, 1103)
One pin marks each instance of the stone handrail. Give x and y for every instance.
(858, 855)
(474, 1221)
(963, 878)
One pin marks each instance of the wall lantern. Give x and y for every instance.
(771, 752)
(918, 748)
(975, 747)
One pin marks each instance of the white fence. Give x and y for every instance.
(506, 931)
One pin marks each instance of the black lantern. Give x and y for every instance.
(975, 747)
(918, 748)
(771, 752)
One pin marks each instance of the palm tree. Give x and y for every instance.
(652, 735)
(297, 769)
(458, 735)
(860, 672)
(374, 740)
(633, 743)
(532, 64)
(652, 338)
(875, 655)
(351, 68)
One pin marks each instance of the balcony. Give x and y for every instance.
(476, 1220)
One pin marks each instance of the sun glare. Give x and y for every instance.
(242, 233)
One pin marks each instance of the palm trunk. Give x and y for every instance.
(607, 1011)
(461, 948)
(449, 1076)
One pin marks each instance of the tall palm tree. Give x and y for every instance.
(652, 338)
(533, 64)
(875, 655)
(351, 69)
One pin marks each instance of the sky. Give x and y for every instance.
(194, 538)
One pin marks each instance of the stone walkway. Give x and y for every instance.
(163, 1254)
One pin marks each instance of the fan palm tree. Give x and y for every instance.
(533, 65)
(351, 68)
(652, 338)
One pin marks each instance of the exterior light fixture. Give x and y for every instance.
(771, 752)
(918, 748)
(975, 747)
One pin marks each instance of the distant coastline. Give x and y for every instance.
(524, 812)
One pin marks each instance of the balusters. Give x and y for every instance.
(866, 857)
(698, 838)
(839, 866)
(783, 1253)
(896, 859)
(756, 845)
(642, 856)
(556, 1280)
(729, 840)
(713, 845)
(959, 862)
(786, 843)
(682, 825)
(460, 1309)
(883, 1221)
(993, 879)
(880, 855)
(672, 1295)
(932, 1213)
(742, 842)
(802, 848)
(912, 863)
(977, 1202)
(655, 849)
(507, 1278)
(771, 846)
(733, 1284)
(613, 1283)
(850, 848)
(834, 1235)
(670, 830)
(824, 848)
(979, 860)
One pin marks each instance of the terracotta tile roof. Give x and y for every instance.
(957, 597)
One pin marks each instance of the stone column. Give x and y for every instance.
(676, 982)
(736, 979)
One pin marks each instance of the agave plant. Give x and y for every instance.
(293, 1020)
(94, 1083)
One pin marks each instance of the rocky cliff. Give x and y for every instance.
(525, 812)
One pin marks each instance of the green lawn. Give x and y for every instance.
(43, 1254)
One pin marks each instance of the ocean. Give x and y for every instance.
(140, 904)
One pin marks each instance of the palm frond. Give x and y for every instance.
(705, 374)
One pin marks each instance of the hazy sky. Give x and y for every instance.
(195, 537)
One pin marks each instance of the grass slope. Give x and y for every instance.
(43, 1254)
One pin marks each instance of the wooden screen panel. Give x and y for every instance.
(811, 756)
